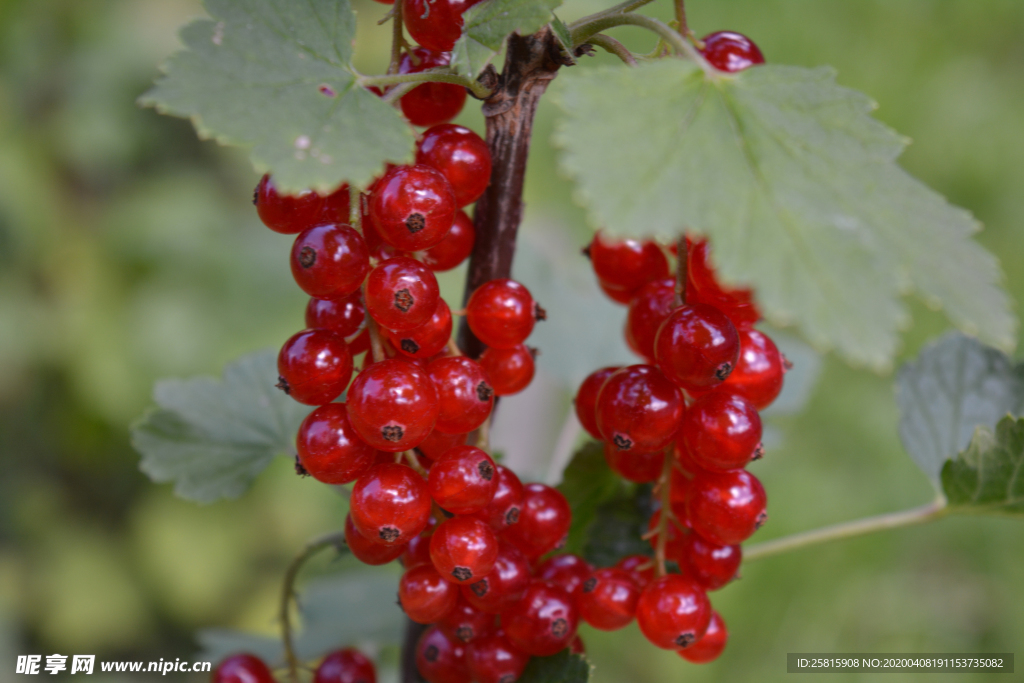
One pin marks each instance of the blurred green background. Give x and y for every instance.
(129, 251)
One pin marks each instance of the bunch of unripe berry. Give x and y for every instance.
(475, 541)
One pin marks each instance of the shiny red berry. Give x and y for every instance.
(624, 266)
(567, 571)
(430, 103)
(647, 311)
(368, 550)
(435, 24)
(503, 585)
(425, 596)
(461, 156)
(284, 213)
(329, 448)
(348, 665)
(640, 567)
(710, 564)
(401, 294)
(463, 480)
(509, 370)
(412, 207)
(675, 534)
(466, 623)
(697, 346)
(454, 248)
(390, 504)
(543, 622)
(494, 659)
(345, 316)
(633, 465)
(242, 668)
(463, 549)
(703, 287)
(586, 399)
(711, 644)
(330, 261)
(314, 366)
(393, 405)
(427, 340)
(505, 506)
(730, 52)
(759, 371)
(437, 443)
(464, 393)
(721, 431)
(335, 208)
(501, 313)
(673, 612)
(638, 409)
(418, 550)
(440, 658)
(543, 523)
(607, 599)
(726, 507)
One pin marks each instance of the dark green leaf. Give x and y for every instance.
(988, 477)
(561, 32)
(210, 437)
(489, 23)
(587, 483)
(797, 187)
(618, 528)
(564, 667)
(955, 385)
(274, 75)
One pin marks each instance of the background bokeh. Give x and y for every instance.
(129, 251)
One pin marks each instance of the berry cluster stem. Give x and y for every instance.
(376, 345)
(682, 264)
(397, 38)
(665, 497)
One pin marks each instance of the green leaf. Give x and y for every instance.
(487, 24)
(564, 667)
(219, 643)
(587, 483)
(618, 527)
(955, 385)
(988, 477)
(561, 32)
(798, 189)
(212, 438)
(274, 75)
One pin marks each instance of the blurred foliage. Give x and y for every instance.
(128, 252)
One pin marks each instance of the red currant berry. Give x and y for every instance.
(721, 431)
(437, 444)
(654, 302)
(675, 540)
(430, 103)
(465, 622)
(345, 666)
(638, 409)
(368, 550)
(494, 659)
(418, 550)
(759, 371)
(697, 346)
(503, 585)
(330, 261)
(284, 213)
(454, 248)
(463, 480)
(463, 549)
(510, 370)
(712, 565)
(673, 612)
(441, 659)
(577, 646)
(543, 622)
(435, 24)
(401, 294)
(243, 668)
(390, 504)
(586, 399)
(710, 646)
(344, 316)
(543, 523)
(702, 287)
(504, 508)
(425, 596)
(501, 313)
(412, 207)
(679, 482)
(726, 507)
(329, 448)
(464, 392)
(568, 571)
(624, 266)
(335, 208)
(730, 52)
(607, 599)
(427, 340)
(314, 366)
(461, 156)
(379, 249)
(640, 567)
(393, 405)
(633, 465)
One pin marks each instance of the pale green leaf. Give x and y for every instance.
(561, 32)
(212, 438)
(798, 189)
(988, 477)
(274, 76)
(487, 24)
